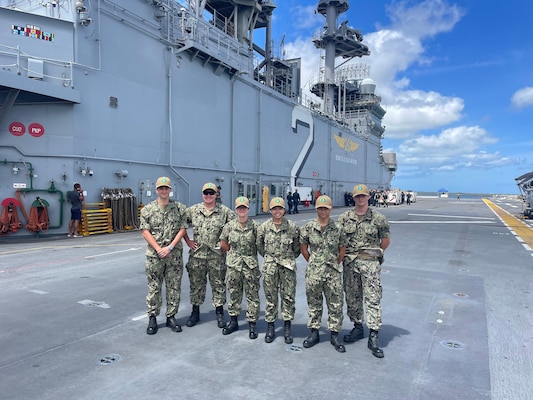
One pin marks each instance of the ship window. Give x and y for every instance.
(113, 102)
(273, 190)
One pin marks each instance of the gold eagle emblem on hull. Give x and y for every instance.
(346, 143)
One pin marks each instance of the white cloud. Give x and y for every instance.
(397, 48)
(523, 97)
(304, 17)
(425, 19)
(452, 149)
(416, 110)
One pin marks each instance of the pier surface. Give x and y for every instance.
(457, 320)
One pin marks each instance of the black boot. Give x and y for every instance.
(173, 324)
(287, 332)
(221, 322)
(252, 331)
(373, 344)
(335, 342)
(232, 326)
(152, 325)
(312, 339)
(355, 334)
(270, 335)
(195, 316)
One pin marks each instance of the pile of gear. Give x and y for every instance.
(123, 204)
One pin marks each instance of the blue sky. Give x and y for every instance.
(456, 79)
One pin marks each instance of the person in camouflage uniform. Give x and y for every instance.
(368, 236)
(206, 258)
(163, 225)
(278, 242)
(238, 238)
(323, 243)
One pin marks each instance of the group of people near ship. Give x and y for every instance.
(380, 198)
(343, 257)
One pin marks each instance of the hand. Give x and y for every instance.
(163, 252)
(193, 245)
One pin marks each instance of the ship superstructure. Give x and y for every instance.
(113, 94)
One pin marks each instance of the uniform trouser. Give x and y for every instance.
(237, 282)
(362, 283)
(278, 279)
(171, 271)
(330, 285)
(199, 269)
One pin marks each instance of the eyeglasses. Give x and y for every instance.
(208, 192)
(242, 208)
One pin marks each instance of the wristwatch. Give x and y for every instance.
(170, 247)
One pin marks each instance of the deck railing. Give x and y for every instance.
(14, 60)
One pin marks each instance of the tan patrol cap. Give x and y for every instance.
(323, 201)
(242, 201)
(277, 202)
(210, 186)
(163, 181)
(360, 189)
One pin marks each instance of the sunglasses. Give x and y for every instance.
(208, 192)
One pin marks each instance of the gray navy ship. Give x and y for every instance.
(114, 93)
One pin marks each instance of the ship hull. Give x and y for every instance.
(131, 108)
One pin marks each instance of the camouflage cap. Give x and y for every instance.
(277, 202)
(323, 201)
(163, 181)
(210, 186)
(360, 189)
(242, 201)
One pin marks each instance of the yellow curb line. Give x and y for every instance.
(520, 228)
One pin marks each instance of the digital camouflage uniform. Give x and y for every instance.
(207, 259)
(243, 272)
(362, 272)
(323, 274)
(279, 248)
(164, 224)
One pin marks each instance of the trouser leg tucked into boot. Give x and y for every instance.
(312, 339)
(270, 335)
(152, 325)
(335, 342)
(287, 332)
(221, 322)
(232, 326)
(373, 344)
(252, 332)
(355, 334)
(195, 316)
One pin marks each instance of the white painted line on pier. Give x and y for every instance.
(451, 216)
(139, 317)
(441, 222)
(113, 252)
